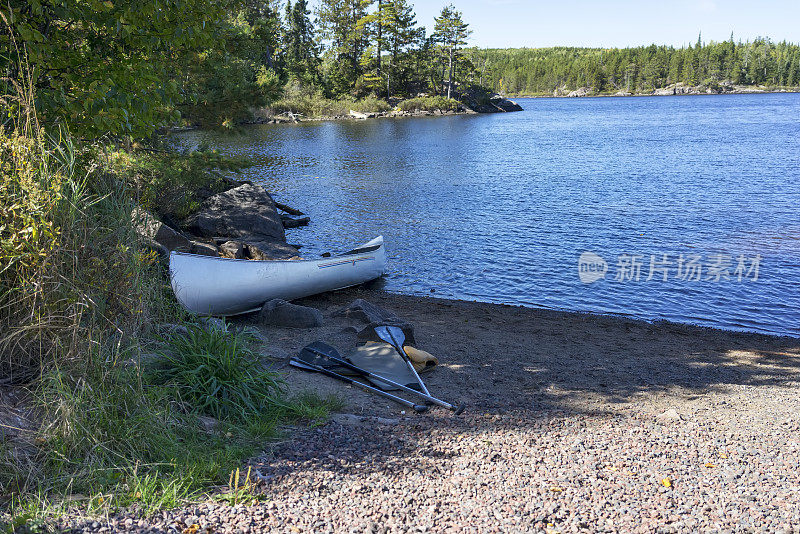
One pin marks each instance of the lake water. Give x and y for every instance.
(500, 208)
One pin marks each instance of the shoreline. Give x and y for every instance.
(657, 323)
(658, 363)
(614, 95)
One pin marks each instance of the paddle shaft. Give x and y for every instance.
(396, 340)
(419, 408)
(367, 374)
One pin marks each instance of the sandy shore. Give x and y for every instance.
(575, 423)
(497, 357)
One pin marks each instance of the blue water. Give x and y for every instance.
(499, 208)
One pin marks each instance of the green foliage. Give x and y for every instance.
(300, 50)
(226, 80)
(102, 66)
(451, 33)
(429, 103)
(342, 25)
(316, 105)
(70, 259)
(118, 439)
(217, 373)
(172, 184)
(641, 69)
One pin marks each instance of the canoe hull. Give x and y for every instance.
(208, 285)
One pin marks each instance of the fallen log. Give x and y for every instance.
(291, 222)
(288, 209)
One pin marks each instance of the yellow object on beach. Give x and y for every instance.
(422, 361)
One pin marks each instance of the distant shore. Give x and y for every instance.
(670, 90)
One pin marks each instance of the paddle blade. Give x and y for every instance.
(391, 334)
(319, 354)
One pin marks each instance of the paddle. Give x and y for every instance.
(419, 408)
(394, 336)
(327, 357)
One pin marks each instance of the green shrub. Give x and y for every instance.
(217, 374)
(173, 184)
(315, 105)
(69, 258)
(429, 103)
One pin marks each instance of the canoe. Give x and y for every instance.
(208, 285)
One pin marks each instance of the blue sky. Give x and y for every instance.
(617, 23)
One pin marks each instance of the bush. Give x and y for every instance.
(69, 259)
(172, 184)
(217, 374)
(429, 103)
(315, 105)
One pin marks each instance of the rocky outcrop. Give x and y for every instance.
(561, 91)
(479, 100)
(581, 91)
(504, 104)
(244, 211)
(245, 214)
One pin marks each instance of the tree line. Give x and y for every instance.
(129, 68)
(640, 69)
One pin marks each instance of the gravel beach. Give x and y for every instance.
(574, 423)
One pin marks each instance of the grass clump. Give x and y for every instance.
(216, 373)
(120, 434)
(429, 103)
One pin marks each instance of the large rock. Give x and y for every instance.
(246, 211)
(504, 104)
(232, 249)
(278, 312)
(151, 229)
(269, 250)
(581, 91)
(203, 249)
(364, 311)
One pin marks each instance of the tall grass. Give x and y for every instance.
(216, 373)
(70, 260)
(78, 295)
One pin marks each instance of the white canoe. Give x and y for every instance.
(208, 285)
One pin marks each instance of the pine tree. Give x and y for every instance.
(451, 32)
(401, 32)
(300, 48)
(339, 24)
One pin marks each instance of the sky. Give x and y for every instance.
(617, 23)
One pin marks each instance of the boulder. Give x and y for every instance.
(665, 91)
(269, 250)
(581, 91)
(365, 312)
(294, 222)
(151, 229)
(246, 211)
(232, 249)
(204, 249)
(504, 104)
(278, 312)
